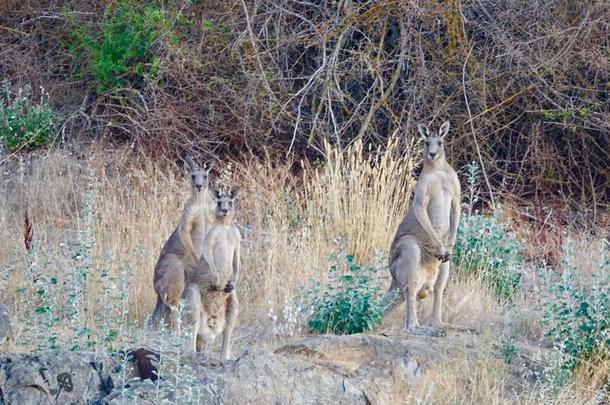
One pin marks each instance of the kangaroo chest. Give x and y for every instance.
(200, 230)
(223, 252)
(200, 220)
(441, 194)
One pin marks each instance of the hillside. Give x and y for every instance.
(312, 109)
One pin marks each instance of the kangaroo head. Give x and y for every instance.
(199, 175)
(434, 148)
(225, 201)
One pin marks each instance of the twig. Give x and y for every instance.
(474, 137)
(254, 47)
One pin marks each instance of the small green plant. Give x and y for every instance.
(584, 112)
(508, 350)
(350, 303)
(549, 115)
(24, 122)
(577, 317)
(120, 50)
(485, 246)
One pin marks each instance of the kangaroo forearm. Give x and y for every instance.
(454, 223)
(209, 258)
(422, 218)
(452, 234)
(236, 271)
(187, 229)
(190, 248)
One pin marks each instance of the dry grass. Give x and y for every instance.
(486, 379)
(464, 380)
(362, 196)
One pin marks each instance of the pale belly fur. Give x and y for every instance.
(439, 212)
(223, 259)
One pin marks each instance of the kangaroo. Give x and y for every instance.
(424, 241)
(185, 245)
(213, 309)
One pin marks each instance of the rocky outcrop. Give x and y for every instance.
(356, 369)
(54, 378)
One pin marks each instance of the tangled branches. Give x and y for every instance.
(525, 84)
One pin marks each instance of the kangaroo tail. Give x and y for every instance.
(392, 298)
(160, 312)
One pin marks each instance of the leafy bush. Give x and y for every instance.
(485, 247)
(121, 50)
(350, 303)
(578, 316)
(24, 123)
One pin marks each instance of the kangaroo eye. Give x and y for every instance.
(193, 176)
(427, 143)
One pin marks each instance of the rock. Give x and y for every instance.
(355, 369)
(54, 378)
(5, 325)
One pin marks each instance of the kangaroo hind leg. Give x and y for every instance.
(436, 321)
(232, 310)
(409, 271)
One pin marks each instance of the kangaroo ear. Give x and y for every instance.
(209, 164)
(192, 164)
(444, 129)
(423, 130)
(217, 193)
(235, 191)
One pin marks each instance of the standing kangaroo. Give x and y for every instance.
(185, 245)
(424, 241)
(212, 302)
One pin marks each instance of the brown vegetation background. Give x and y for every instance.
(525, 84)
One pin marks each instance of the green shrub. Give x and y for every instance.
(24, 123)
(120, 51)
(350, 303)
(577, 317)
(485, 247)
(508, 350)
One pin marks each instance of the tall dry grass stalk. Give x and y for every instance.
(353, 202)
(362, 196)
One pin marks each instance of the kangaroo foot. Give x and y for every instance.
(425, 331)
(450, 326)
